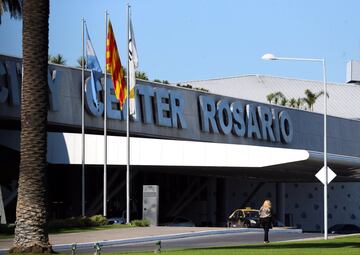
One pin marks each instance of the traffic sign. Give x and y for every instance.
(321, 175)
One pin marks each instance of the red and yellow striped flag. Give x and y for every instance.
(113, 65)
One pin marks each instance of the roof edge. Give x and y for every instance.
(265, 75)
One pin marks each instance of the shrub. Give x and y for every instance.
(140, 223)
(78, 222)
(70, 222)
(98, 220)
(7, 229)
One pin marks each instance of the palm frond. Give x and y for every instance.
(14, 7)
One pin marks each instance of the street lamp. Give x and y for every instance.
(270, 56)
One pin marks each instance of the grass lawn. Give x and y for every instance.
(339, 246)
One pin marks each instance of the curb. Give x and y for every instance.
(321, 238)
(63, 247)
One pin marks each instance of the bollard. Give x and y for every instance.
(97, 248)
(73, 249)
(158, 247)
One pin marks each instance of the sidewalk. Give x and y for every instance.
(109, 237)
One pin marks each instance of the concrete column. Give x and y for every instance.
(221, 202)
(211, 201)
(280, 202)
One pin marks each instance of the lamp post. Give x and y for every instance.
(270, 56)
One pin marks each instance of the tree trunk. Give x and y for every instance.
(31, 210)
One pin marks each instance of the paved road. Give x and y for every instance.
(113, 234)
(205, 241)
(144, 239)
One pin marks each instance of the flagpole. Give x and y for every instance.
(83, 122)
(105, 118)
(128, 125)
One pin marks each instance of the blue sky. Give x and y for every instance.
(183, 40)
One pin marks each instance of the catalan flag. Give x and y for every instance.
(113, 65)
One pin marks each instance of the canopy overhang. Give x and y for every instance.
(195, 158)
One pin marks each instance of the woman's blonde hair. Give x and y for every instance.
(267, 204)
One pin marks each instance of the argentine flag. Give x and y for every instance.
(93, 64)
(91, 60)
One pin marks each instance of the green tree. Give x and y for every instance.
(311, 98)
(299, 102)
(31, 212)
(163, 81)
(279, 97)
(80, 61)
(292, 102)
(270, 97)
(295, 103)
(141, 75)
(13, 7)
(58, 59)
(283, 101)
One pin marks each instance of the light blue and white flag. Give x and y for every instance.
(91, 60)
(93, 64)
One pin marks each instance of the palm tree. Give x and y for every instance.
(80, 61)
(278, 96)
(270, 97)
(295, 103)
(58, 59)
(141, 75)
(292, 102)
(299, 102)
(283, 101)
(31, 211)
(311, 98)
(163, 81)
(14, 7)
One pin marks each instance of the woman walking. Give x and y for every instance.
(266, 219)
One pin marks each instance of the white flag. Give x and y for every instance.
(133, 64)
